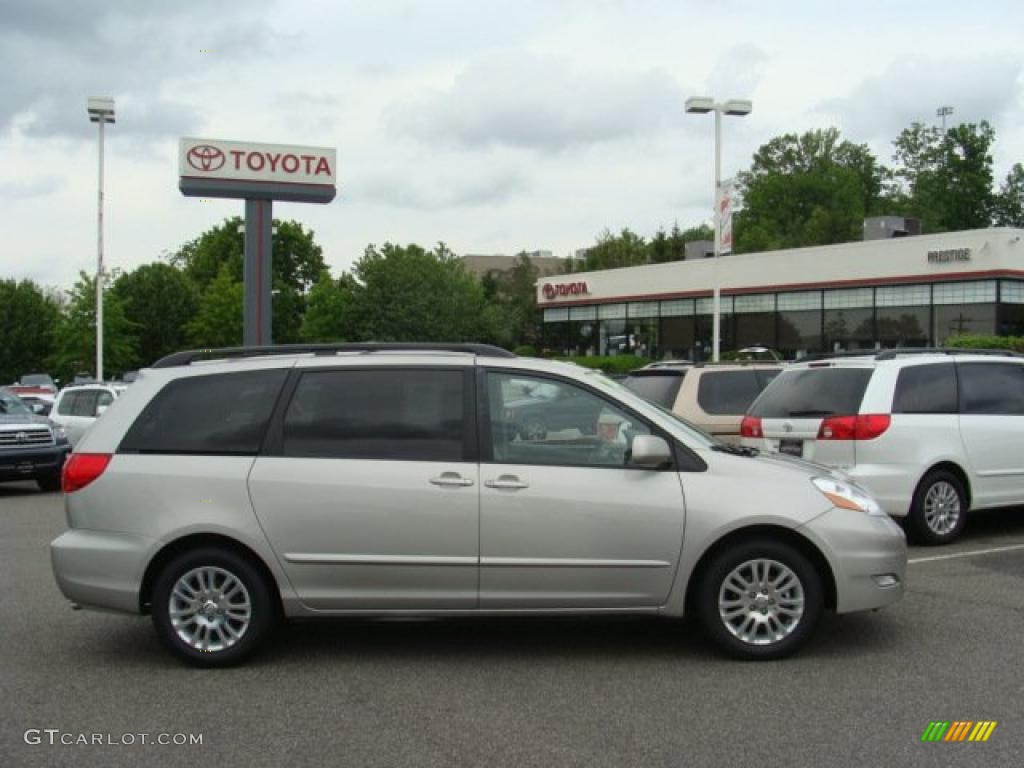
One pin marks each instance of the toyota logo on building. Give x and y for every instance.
(549, 291)
(205, 157)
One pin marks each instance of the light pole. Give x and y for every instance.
(101, 111)
(737, 107)
(943, 112)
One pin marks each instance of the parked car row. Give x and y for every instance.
(931, 433)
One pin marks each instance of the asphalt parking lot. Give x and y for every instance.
(522, 693)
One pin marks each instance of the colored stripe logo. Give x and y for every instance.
(958, 730)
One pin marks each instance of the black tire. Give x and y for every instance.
(263, 615)
(760, 646)
(49, 483)
(934, 527)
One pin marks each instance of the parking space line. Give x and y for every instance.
(955, 555)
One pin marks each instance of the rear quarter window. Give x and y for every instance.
(813, 392)
(660, 388)
(992, 389)
(727, 393)
(926, 389)
(221, 414)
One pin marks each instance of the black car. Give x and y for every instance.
(31, 446)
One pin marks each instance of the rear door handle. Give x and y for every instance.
(451, 480)
(507, 482)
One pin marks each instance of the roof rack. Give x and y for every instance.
(829, 355)
(191, 356)
(890, 354)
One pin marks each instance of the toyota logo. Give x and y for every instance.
(204, 157)
(21, 437)
(549, 291)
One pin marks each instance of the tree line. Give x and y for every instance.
(800, 190)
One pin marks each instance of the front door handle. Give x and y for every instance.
(451, 480)
(507, 482)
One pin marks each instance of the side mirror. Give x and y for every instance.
(650, 452)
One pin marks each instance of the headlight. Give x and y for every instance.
(847, 496)
(59, 433)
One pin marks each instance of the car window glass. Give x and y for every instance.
(103, 398)
(221, 414)
(992, 388)
(660, 388)
(85, 403)
(926, 389)
(410, 415)
(724, 393)
(67, 403)
(551, 422)
(765, 376)
(10, 405)
(813, 392)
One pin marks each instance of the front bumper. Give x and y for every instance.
(99, 569)
(868, 554)
(32, 463)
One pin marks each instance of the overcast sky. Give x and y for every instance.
(494, 126)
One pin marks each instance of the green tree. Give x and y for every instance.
(945, 178)
(160, 300)
(330, 309)
(28, 318)
(512, 314)
(74, 348)
(410, 294)
(218, 323)
(1009, 204)
(812, 189)
(625, 249)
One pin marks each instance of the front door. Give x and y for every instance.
(368, 491)
(565, 521)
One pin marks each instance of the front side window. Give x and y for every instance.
(388, 414)
(551, 422)
(992, 388)
(223, 414)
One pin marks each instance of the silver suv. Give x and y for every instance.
(229, 488)
(930, 432)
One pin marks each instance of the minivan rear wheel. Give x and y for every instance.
(938, 511)
(212, 607)
(760, 600)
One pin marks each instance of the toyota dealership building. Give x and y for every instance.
(907, 291)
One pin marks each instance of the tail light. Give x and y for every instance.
(864, 427)
(81, 469)
(751, 427)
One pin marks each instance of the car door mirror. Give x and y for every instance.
(650, 452)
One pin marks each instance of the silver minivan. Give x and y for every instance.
(227, 489)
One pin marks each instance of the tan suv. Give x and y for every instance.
(714, 397)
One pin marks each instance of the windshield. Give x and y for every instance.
(10, 405)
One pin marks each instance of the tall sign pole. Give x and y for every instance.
(258, 174)
(101, 111)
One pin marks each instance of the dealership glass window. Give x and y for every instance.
(800, 300)
(757, 302)
(555, 337)
(849, 298)
(614, 340)
(799, 332)
(643, 337)
(611, 311)
(903, 296)
(975, 292)
(704, 331)
(558, 315)
(677, 308)
(847, 329)
(1011, 310)
(754, 329)
(902, 326)
(677, 338)
(955, 319)
(582, 337)
(1011, 292)
(707, 306)
(643, 309)
(583, 313)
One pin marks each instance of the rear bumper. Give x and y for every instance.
(99, 569)
(868, 554)
(32, 463)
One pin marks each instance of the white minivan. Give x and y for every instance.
(931, 433)
(77, 407)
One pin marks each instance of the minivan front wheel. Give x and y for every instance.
(938, 511)
(760, 600)
(211, 607)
